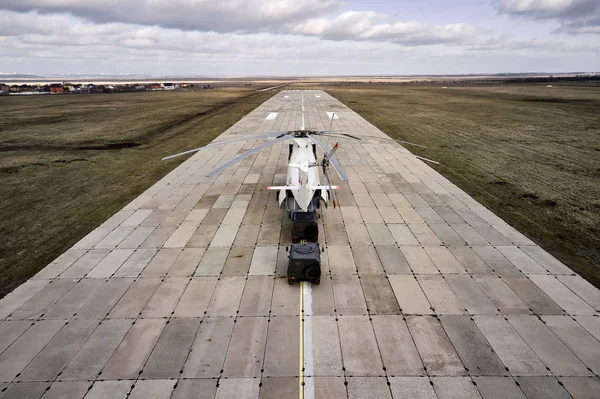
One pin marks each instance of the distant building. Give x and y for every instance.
(4, 88)
(57, 88)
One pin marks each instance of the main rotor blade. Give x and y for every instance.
(246, 155)
(333, 160)
(223, 142)
(380, 138)
(333, 150)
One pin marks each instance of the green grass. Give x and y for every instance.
(69, 162)
(529, 153)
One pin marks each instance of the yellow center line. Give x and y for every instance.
(301, 375)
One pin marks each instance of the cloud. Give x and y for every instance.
(574, 16)
(203, 15)
(369, 26)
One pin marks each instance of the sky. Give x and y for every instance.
(298, 37)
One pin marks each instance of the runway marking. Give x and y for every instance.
(332, 115)
(302, 112)
(309, 384)
(271, 116)
(301, 366)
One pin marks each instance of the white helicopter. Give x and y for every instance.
(303, 191)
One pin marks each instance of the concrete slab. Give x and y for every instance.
(581, 343)
(161, 263)
(520, 259)
(40, 303)
(152, 389)
(360, 352)
(327, 387)
(455, 388)
(20, 296)
(402, 234)
(393, 260)
(224, 236)
(368, 387)
(60, 264)
(110, 264)
(72, 301)
(424, 234)
(25, 390)
(269, 234)
(496, 261)
(410, 215)
(498, 388)
(264, 261)
(542, 387)
(256, 299)
(326, 351)
(279, 387)
(469, 259)
(547, 261)
(591, 324)
(367, 260)
(187, 262)
(322, 298)
(581, 387)
(547, 346)
(564, 297)
(475, 352)
(341, 260)
(278, 362)
(137, 237)
(446, 234)
(209, 349)
(85, 264)
(104, 299)
(213, 261)
(532, 296)
(410, 297)
(358, 235)
(195, 389)
(54, 357)
(242, 388)
(468, 234)
(131, 355)
(444, 260)
(419, 261)
(516, 355)
(379, 296)
(440, 296)
(135, 299)
(14, 359)
(412, 387)
(436, 350)
(11, 330)
(136, 263)
(470, 295)
(67, 389)
(247, 348)
(238, 261)
(583, 289)
(389, 214)
(95, 353)
(347, 295)
(203, 236)
(172, 349)
(110, 389)
(226, 297)
(397, 348)
(503, 297)
(380, 235)
(247, 235)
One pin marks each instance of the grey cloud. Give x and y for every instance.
(370, 26)
(574, 16)
(202, 15)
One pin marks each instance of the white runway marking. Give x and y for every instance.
(332, 114)
(271, 116)
(309, 386)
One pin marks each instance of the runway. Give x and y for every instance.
(183, 293)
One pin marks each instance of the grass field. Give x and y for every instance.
(67, 163)
(529, 153)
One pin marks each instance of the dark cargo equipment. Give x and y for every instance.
(305, 226)
(304, 263)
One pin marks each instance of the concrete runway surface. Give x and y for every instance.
(425, 293)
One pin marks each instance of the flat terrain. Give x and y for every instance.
(67, 163)
(529, 153)
(183, 292)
